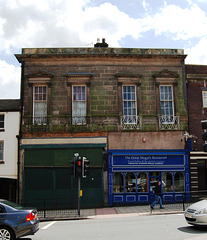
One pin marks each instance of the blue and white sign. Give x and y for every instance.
(148, 160)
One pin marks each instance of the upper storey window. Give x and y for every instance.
(129, 104)
(79, 105)
(166, 98)
(78, 96)
(40, 104)
(1, 121)
(39, 95)
(1, 150)
(204, 97)
(128, 94)
(167, 103)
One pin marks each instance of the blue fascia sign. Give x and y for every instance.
(148, 160)
(145, 160)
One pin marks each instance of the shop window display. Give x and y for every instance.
(179, 182)
(118, 183)
(167, 182)
(130, 182)
(142, 183)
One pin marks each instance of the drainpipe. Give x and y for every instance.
(20, 130)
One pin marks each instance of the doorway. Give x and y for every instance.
(202, 173)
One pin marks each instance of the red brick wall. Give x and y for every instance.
(195, 105)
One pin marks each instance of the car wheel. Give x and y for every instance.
(6, 234)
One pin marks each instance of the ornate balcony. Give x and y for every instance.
(131, 122)
(169, 123)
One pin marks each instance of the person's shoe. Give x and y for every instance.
(162, 208)
(152, 208)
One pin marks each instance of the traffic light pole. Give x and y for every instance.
(79, 183)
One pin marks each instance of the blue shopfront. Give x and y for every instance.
(134, 173)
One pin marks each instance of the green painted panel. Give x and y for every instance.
(61, 157)
(57, 188)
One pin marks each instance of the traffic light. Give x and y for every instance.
(78, 167)
(204, 134)
(85, 167)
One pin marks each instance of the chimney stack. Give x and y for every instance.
(101, 44)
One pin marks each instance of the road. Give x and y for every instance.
(121, 227)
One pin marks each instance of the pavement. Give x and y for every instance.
(132, 210)
(117, 211)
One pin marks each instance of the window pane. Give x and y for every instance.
(142, 183)
(1, 151)
(129, 104)
(167, 182)
(166, 103)
(179, 182)
(79, 109)
(79, 93)
(40, 104)
(204, 95)
(130, 182)
(2, 121)
(79, 105)
(118, 185)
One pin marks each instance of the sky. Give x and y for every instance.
(174, 24)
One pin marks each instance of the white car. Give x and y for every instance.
(196, 214)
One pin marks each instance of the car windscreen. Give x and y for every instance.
(12, 204)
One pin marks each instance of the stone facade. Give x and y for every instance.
(103, 71)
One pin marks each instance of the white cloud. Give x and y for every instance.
(37, 23)
(107, 21)
(69, 23)
(9, 80)
(145, 5)
(198, 53)
(179, 23)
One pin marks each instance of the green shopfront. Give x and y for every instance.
(48, 175)
(134, 173)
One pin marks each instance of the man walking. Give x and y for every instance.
(158, 193)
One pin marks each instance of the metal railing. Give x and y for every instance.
(169, 123)
(131, 122)
(60, 208)
(52, 208)
(83, 123)
(94, 123)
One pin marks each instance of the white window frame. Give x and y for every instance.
(167, 118)
(129, 118)
(1, 128)
(79, 117)
(1, 151)
(204, 99)
(39, 120)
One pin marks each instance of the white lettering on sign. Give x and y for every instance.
(145, 160)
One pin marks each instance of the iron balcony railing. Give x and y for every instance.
(94, 123)
(169, 122)
(82, 123)
(131, 122)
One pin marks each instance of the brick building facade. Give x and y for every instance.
(196, 77)
(125, 102)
